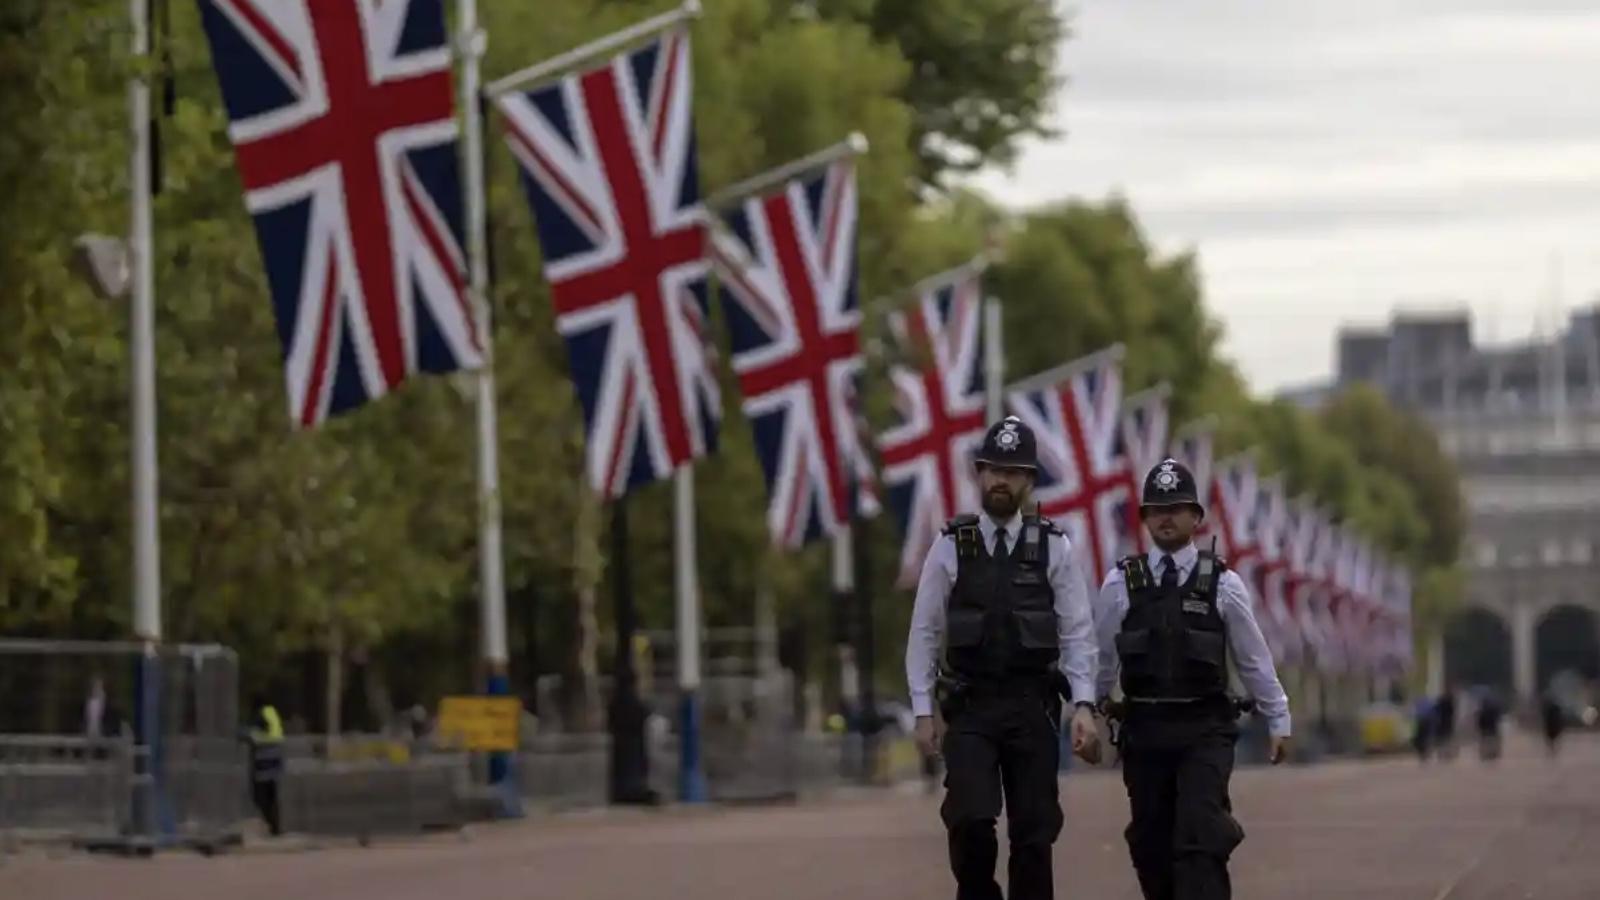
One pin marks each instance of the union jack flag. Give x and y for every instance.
(1230, 511)
(1301, 535)
(939, 401)
(1142, 445)
(1075, 412)
(608, 165)
(1269, 529)
(787, 267)
(1356, 628)
(343, 125)
(1330, 585)
(1193, 445)
(1145, 428)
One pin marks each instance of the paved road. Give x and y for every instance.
(1385, 830)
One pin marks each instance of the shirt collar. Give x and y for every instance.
(988, 526)
(1185, 558)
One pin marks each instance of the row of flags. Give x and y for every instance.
(344, 128)
(1323, 593)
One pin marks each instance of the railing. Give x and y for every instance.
(71, 788)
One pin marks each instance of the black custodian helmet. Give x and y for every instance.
(1009, 443)
(1171, 483)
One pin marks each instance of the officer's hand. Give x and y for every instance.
(929, 734)
(1278, 751)
(1085, 736)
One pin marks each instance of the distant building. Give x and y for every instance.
(1522, 423)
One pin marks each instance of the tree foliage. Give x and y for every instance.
(982, 73)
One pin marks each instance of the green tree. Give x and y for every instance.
(1386, 439)
(1079, 276)
(983, 73)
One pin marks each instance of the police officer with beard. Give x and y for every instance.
(1001, 595)
(1170, 621)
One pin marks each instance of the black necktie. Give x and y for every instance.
(1169, 572)
(999, 543)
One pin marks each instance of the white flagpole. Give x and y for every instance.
(556, 65)
(142, 356)
(691, 772)
(491, 571)
(994, 360)
(853, 145)
(151, 813)
(844, 588)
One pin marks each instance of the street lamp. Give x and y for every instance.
(103, 261)
(115, 267)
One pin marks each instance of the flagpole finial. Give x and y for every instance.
(857, 142)
(692, 8)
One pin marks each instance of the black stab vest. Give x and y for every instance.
(1000, 618)
(1173, 644)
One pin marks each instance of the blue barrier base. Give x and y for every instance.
(691, 773)
(502, 766)
(152, 811)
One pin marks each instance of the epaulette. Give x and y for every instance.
(1049, 525)
(1136, 573)
(969, 540)
(960, 521)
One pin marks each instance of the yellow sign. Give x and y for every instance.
(480, 723)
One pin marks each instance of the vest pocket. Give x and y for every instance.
(1204, 647)
(965, 628)
(1133, 643)
(1036, 629)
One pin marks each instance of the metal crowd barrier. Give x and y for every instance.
(207, 788)
(370, 785)
(73, 788)
(565, 770)
(94, 792)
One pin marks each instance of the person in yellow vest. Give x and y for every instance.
(266, 760)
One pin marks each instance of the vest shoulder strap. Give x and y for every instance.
(1136, 574)
(969, 540)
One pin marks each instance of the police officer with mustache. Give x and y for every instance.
(1002, 601)
(1170, 621)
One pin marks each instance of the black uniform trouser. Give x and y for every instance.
(1176, 766)
(1006, 744)
(265, 792)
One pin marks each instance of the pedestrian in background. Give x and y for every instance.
(266, 760)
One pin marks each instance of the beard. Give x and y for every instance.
(1001, 504)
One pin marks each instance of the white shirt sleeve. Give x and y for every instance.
(1074, 620)
(1109, 611)
(925, 642)
(1250, 654)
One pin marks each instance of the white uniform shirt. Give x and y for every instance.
(1074, 621)
(1249, 649)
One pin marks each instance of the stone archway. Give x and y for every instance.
(1477, 649)
(1567, 638)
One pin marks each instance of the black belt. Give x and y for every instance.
(1024, 686)
(1237, 704)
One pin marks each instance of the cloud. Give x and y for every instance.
(1330, 158)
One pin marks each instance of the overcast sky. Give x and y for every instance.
(1333, 159)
